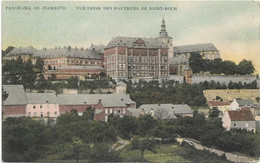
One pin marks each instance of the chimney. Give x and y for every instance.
(82, 48)
(69, 47)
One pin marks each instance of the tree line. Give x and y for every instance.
(218, 66)
(31, 77)
(75, 137)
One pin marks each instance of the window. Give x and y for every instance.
(34, 107)
(41, 114)
(123, 111)
(106, 118)
(35, 113)
(119, 111)
(40, 106)
(106, 111)
(111, 111)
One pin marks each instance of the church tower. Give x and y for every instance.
(163, 32)
(163, 37)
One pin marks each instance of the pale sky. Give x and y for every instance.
(234, 27)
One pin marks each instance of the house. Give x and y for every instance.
(166, 111)
(239, 103)
(105, 104)
(255, 109)
(25, 53)
(42, 105)
(221, 105)
(241, 119)
(15, 104)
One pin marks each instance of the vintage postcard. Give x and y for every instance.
(130, 81)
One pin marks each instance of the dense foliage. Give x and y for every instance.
(31, 77)
(168, 92)
(154, 92)
(75, 137)
(217, 66)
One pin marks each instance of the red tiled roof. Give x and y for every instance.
(241, 115)
(218, 103)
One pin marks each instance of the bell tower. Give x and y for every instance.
(163, 37)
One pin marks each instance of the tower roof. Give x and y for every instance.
(163, 32)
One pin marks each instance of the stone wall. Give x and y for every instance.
(223, 79)
(230, 94)
(229, 156)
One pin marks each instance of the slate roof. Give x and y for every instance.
(244, 102)
(100, 48)
(241, 115)
(194, 48)
(129, 42)
(178, 60)
(107, 100)
(165, 109)
(256, 106)
(41, 98)
(16, 95)
(67, 52)
(21, 50)
(135, 112)
(218, 103)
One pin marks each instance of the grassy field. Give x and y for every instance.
(172, 153)
(164, 153)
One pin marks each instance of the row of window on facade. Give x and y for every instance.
(73, 61)
(41, 106)
(110, 111)
(143, 59)
(41, 114)
(136, 66)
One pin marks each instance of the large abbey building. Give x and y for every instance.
(134, 57)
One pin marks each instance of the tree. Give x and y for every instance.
(245, 67)
(214, 112)
(73, 82)
(24, 139)
(41, 82)
(89, 114)
(143, 144)
(196, 63)
(4, 95)
(101, 152)
(39, 65)
(76, 149)
(229, 68)
(7, 50)
(144, 124)
(28, 76)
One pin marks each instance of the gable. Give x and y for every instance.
(139, 43)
